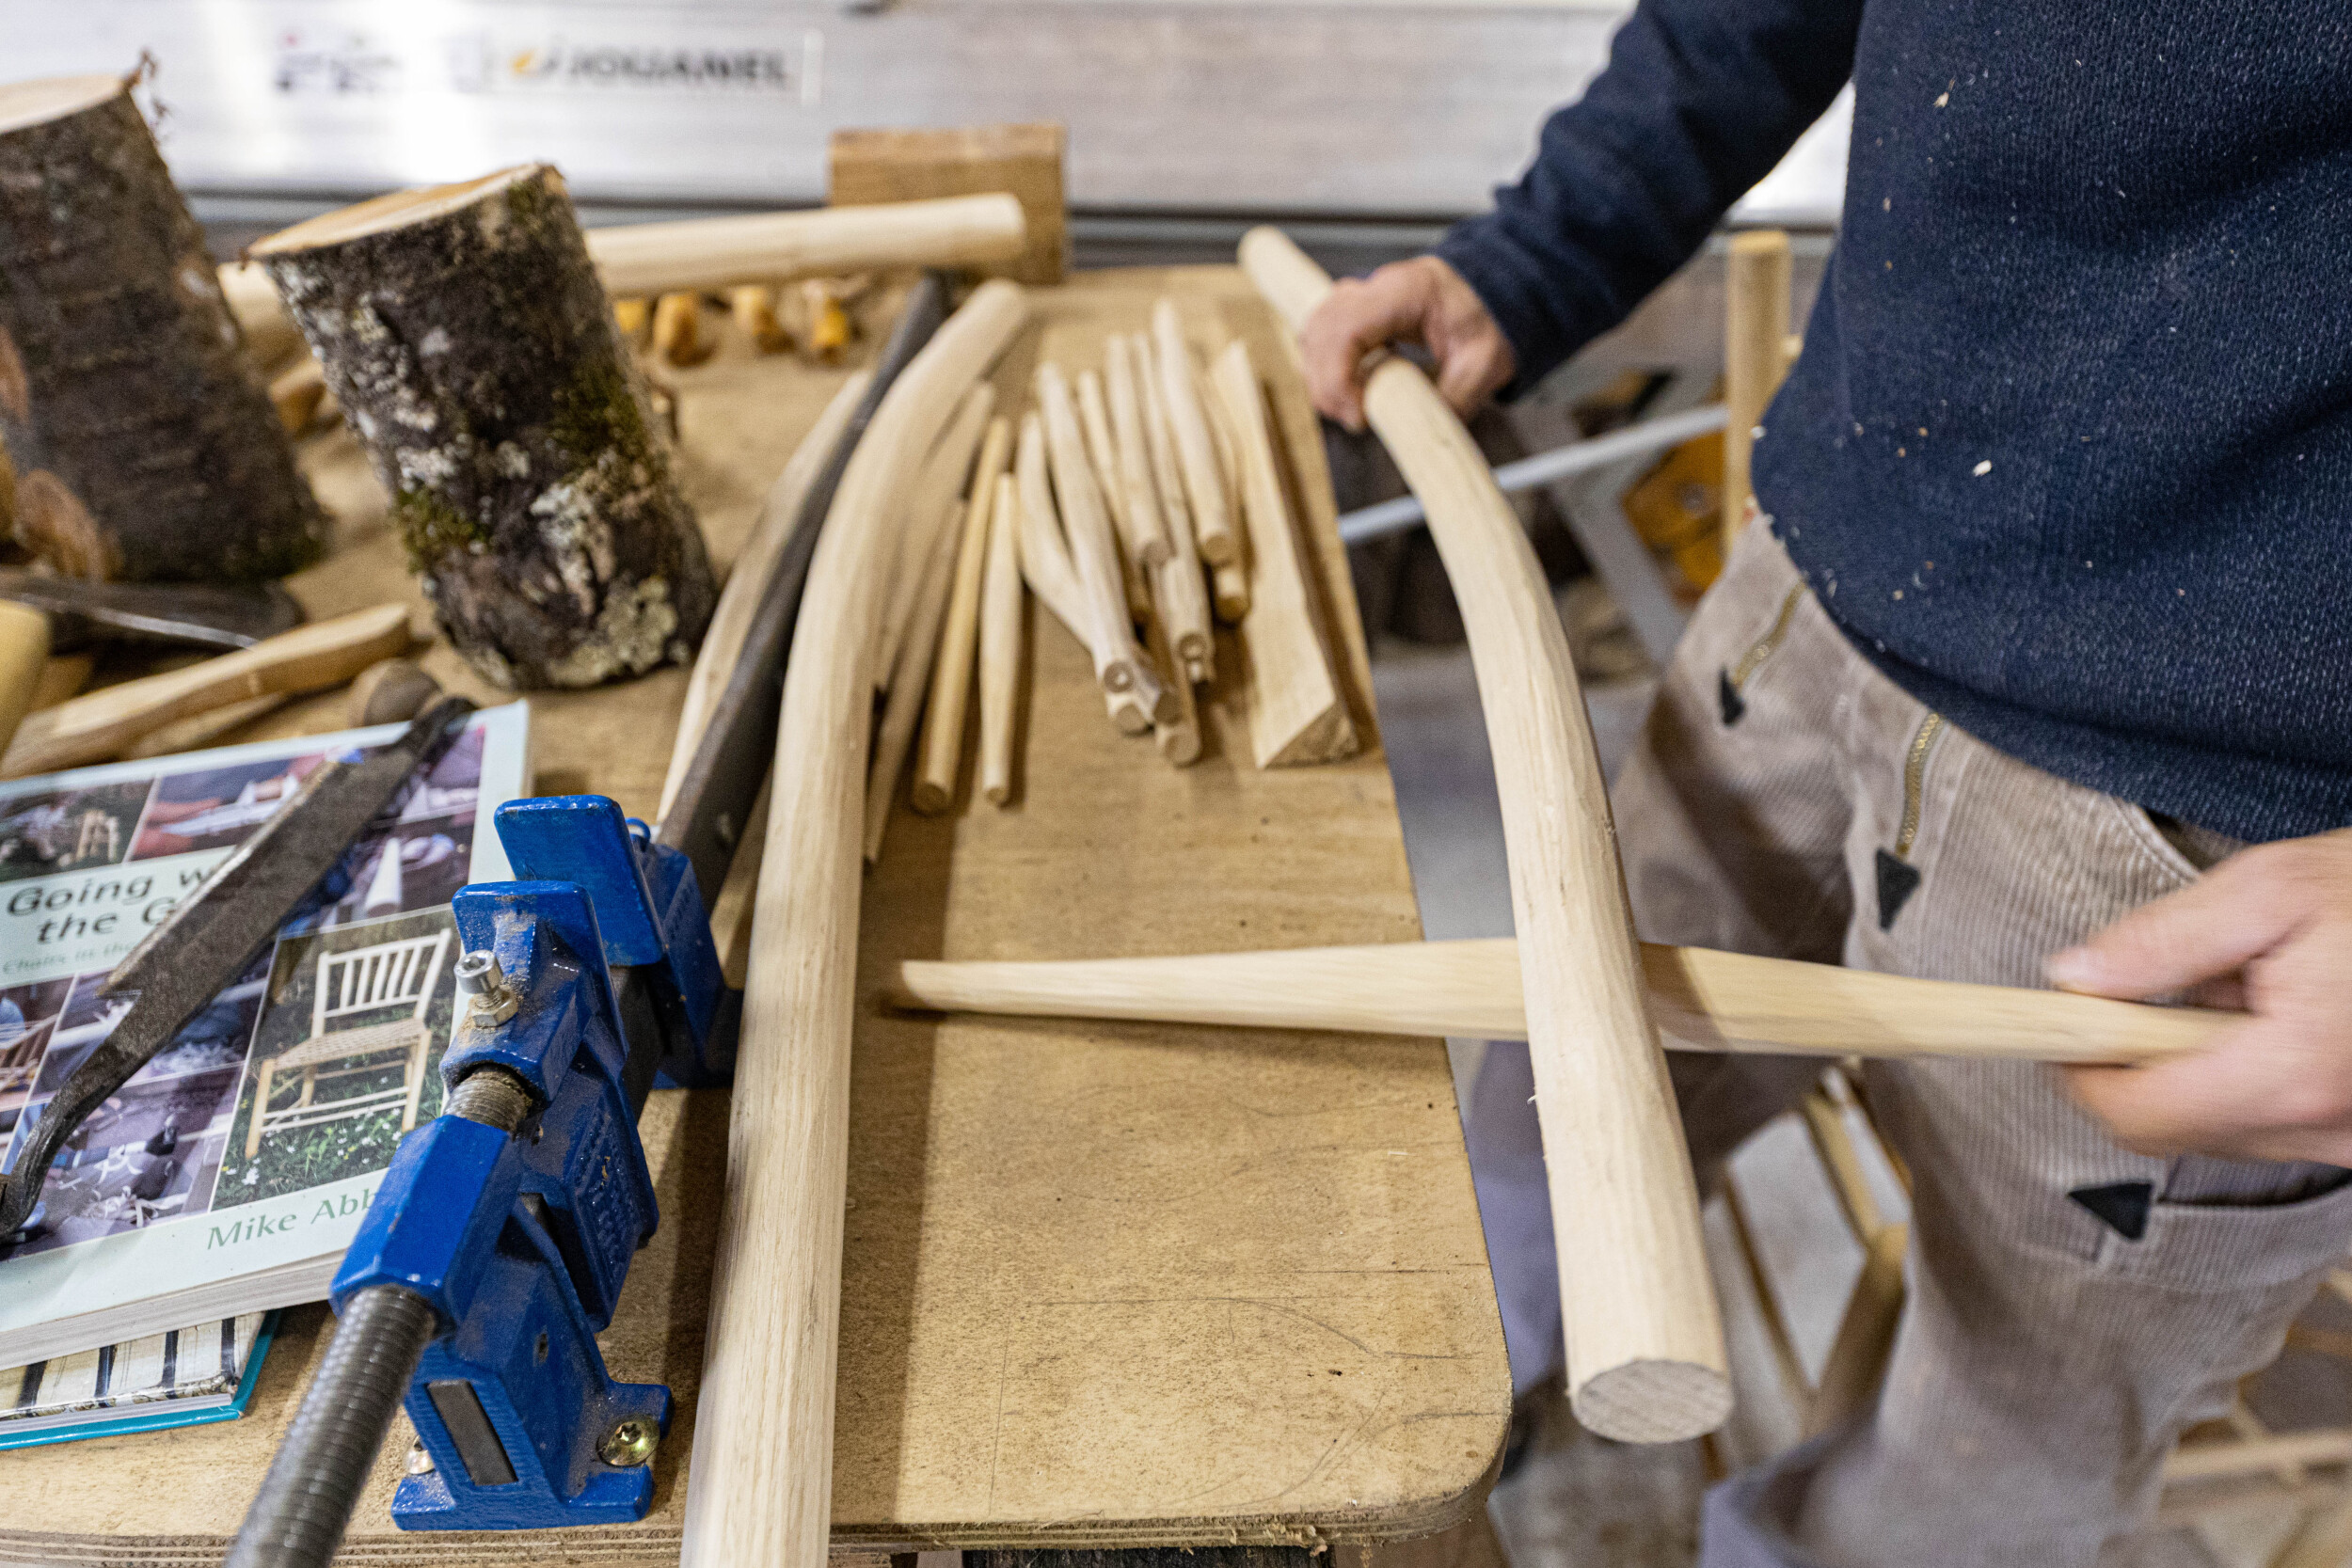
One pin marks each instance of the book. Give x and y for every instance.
(182, 1377)
(229, 1175)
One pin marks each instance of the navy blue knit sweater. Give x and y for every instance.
(2069, 451)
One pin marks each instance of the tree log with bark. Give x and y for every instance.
(464, 331)
(141, 437)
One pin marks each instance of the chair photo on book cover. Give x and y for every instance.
(389, 978)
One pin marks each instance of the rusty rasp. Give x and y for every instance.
(217, 932)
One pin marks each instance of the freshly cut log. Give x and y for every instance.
(1000, 644)
(754, 569)
(141, 431)
(472, 351)
(1207, 488)
(1703, 1000)
(1296, 713)
(1644, 1337)
(929, 512)
(942, 756)
(909, 680)
(762, 1463)
(102, 724)
(1183, 590)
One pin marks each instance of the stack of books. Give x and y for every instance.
(226, 1179)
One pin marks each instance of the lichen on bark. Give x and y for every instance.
(474, 351)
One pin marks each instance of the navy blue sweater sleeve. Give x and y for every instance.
(1700, 100)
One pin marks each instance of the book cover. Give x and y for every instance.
(229, 1175)
(182, 1377)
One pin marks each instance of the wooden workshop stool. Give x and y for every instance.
(372, 979)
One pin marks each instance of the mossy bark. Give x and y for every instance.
(473, 350)
(142, 436)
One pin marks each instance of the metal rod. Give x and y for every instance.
(1545, 467)
(305, 1504)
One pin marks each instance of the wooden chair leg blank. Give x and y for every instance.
(1703, 1000)
(1207, 489)
(1000, 645)
(763, 1436)
(1645, 1351)
(930, 510)
(942, 757)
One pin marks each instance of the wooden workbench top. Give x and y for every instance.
(1105, 1285)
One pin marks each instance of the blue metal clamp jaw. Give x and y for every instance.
(521, 1242)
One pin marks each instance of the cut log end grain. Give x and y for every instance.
(140, 430)
(464, 332)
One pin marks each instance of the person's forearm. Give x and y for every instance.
(1700, 100)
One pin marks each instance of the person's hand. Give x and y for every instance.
(2268, 930)
(1422, 301)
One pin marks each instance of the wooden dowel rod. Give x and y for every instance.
(1044, 558)
(1756, 335)
(1178, 736)
(942, 756)
(677, 335)
(930, 511)
(1147, 525)
(762, 1463)
(1230, 590)
(1001, 644)
(1185, 597)
(829, 241)
(754, 568)
(1094, 423)
(1644, 1336)
(910, 679)
(1093, 554)
(754, 306)
(1208, 487)
(1703, 1000)
(1045, 563)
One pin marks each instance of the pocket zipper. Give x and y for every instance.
(1915, 780)
(1898, 879)
(1729, 681)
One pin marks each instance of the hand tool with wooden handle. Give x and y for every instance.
(1644, 1337)
(1703, 1000)
(95, 727)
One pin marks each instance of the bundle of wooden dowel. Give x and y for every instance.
(1141, 501)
